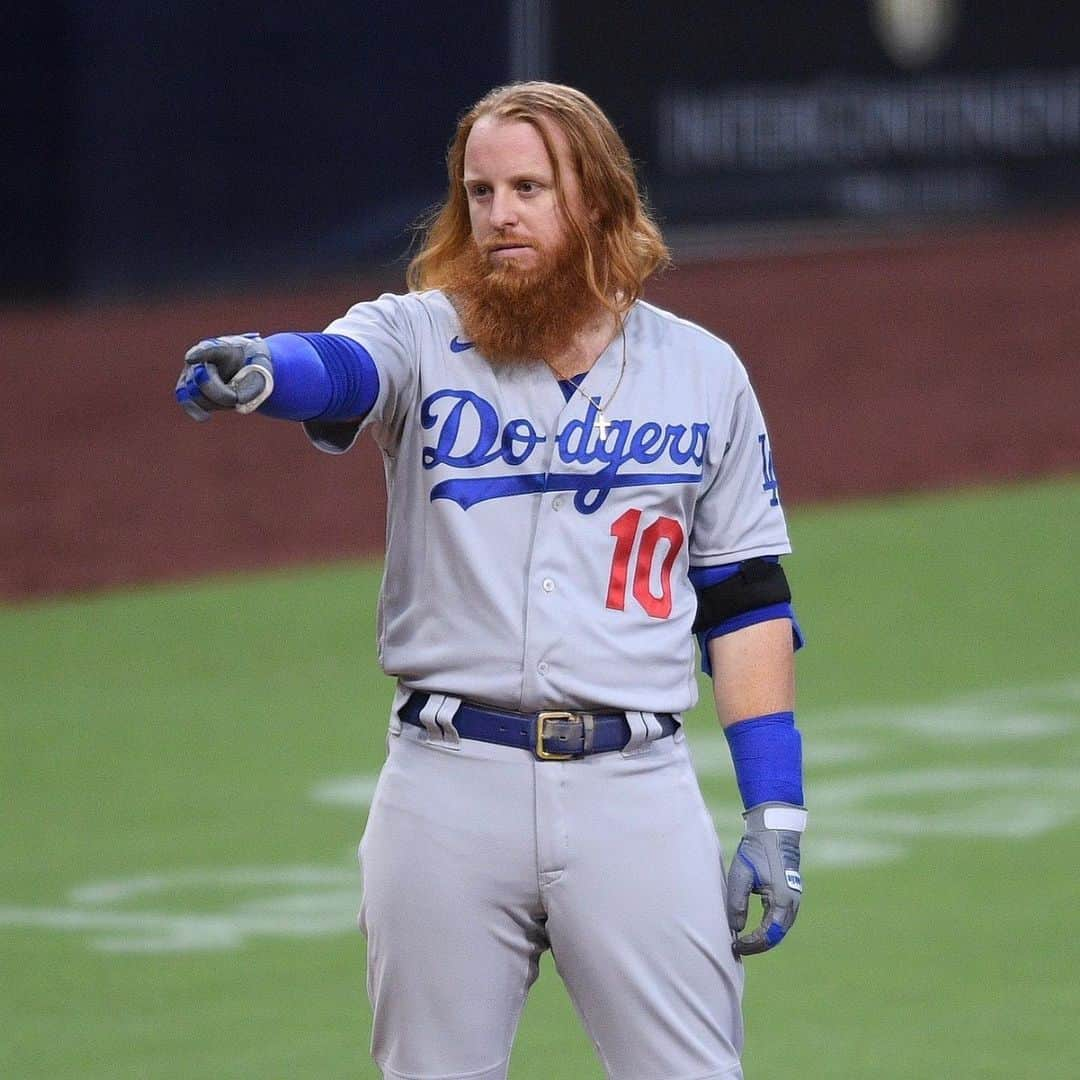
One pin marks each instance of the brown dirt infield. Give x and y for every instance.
(921, 362)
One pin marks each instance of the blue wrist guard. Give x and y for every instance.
(767, 754)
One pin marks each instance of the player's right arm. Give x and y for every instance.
(361, 371)
(326, 377)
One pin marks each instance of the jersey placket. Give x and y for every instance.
(557, 535)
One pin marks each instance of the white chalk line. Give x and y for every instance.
(859, 817)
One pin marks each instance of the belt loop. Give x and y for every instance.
(644, 729)
(401, 695)
(437, 716)
(588, 732)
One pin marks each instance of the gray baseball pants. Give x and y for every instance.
(476, 858)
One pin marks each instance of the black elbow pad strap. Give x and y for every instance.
(756, 584)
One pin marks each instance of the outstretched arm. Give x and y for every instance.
(289, 376)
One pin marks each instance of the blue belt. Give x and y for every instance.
(554, 735)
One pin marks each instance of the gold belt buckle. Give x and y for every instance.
(541, 719)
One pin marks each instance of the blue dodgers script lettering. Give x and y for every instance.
(468, 435)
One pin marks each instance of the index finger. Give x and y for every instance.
(204, 351)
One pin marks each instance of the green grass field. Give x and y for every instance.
(186, 769)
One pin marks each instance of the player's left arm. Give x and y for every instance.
(754, 688)
(747, 631)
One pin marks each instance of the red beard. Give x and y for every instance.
(517, 315)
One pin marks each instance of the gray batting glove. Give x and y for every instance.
(767, 863)
(231, 372)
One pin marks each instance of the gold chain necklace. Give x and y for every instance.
(601, 423)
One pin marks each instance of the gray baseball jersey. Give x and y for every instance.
(539, 544)
(533, 560)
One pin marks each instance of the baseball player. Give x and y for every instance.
(578, 485)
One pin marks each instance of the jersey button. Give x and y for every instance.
(542, 667)
(547, 585)
(556, 503)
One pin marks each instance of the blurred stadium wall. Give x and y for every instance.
(877, 203)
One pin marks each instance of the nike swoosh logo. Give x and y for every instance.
(460, 346)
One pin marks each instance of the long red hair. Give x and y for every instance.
(622, 244)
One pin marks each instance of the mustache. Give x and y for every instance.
(493, 243)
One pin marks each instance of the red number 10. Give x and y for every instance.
(625, 530)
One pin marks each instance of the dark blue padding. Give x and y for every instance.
(320, 377)
(775, 934)
(701, 577)
(767, 754)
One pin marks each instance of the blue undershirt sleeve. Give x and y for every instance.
(320, 377)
